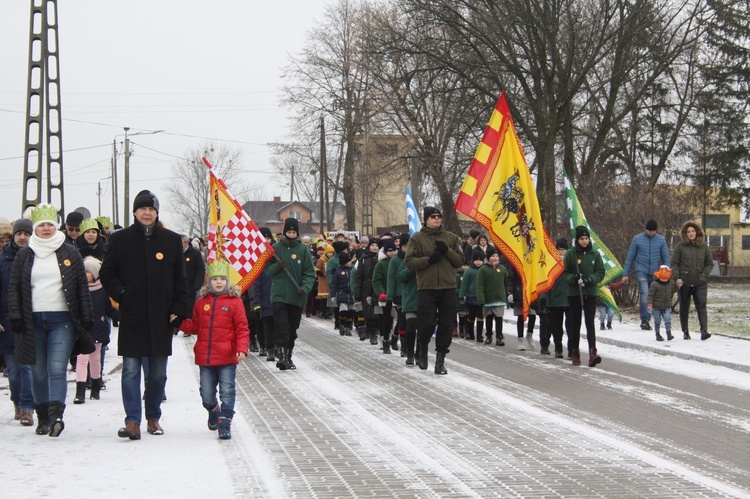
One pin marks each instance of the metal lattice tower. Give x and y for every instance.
(43, 115)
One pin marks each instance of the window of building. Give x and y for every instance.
(717, 221)
(718, 241)
(296, 214)
(746, 242)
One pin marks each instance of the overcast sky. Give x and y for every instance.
(196, 69)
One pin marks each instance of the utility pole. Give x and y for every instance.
(99, 196)
(127, 180)
(291, 193)
(115, 206)
(323, 173)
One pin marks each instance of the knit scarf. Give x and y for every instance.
(93, 286)
(45, 247)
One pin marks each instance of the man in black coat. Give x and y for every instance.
(195, 272)
(144, 271)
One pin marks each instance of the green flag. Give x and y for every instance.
(612, 267)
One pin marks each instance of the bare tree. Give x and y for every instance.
(189, 193)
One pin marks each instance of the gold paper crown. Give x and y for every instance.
(104, 221)
(89, 224)
(44, 213)
(217, 268)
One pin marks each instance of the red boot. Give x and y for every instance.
(594, 358)
(576, 356)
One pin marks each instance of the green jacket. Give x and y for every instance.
(408, 279)
(590, 265)
(380, 277)
(557, 297)
(692, 263)
(441, 274)
(491, 284)
(393, 289)
(298, 262)
(331, 265)
(660, 294)
(469, 285)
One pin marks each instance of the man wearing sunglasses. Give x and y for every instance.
(73, 227)
(434, 255)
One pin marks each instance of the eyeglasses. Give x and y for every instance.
(74, 229)
(436, 215)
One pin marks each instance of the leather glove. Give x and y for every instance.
(87, 325)
(580, 282)
(17, 325)
(587, 280)
(301, 292)
(441, 247)
(577, 276)
(382, 297)
(281, 264)
(434, 258)
(177, 322)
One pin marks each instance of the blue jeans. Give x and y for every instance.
(131, 387)
(665, 314)
(53, 345)
(19, 379)
(644, 281)
(606, 313)
(224, 377)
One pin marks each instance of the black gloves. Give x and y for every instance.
(88, 325)
(434, 258)
(441, 247)
(301, 292)
(16, 325)
(587, 280)
(177, 322)
(281, 264)
(577, 276)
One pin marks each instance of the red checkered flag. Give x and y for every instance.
(233, 236)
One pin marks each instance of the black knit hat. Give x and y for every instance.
(474, 234)
(581, 231)
(651, 224)
(562, 243)
(344, 258)
(291, 224)
(477, 254)
(405, 239)
(389, 245)
(74, 218)
(144, 199)
(266, 232)
(428, 211)
(339, 246)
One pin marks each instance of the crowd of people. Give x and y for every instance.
(62, 288)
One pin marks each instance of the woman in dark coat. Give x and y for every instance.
(49, 307)
(91, 242)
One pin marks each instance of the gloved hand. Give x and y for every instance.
(462, 301)
(587, 280)
(577, 276)
(281, 264)
(441, 247)
(16, 325)
(88, 325)
(650, 308)
(509, 300)
(176, 322)
(320, 272)
(369, 300)
(580, 282)
(382, 297)
(434, 258)
(301, 292)
(333, 300)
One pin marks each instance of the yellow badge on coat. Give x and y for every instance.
(66, 262)
(579, 261)
(187, 259)
(160, 256)
(294, 256)
(206, 307)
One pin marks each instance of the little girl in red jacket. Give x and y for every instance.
(220, 322)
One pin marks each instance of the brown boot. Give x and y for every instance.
(154, 428)
(131, 430)
(576, 356)
(594, 358)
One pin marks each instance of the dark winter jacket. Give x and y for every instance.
(363, 280)
(647, 253)
(491, 282)
(380, 277)
(103, 312)
(692, 261)
(589, 264)
(221, 325)
(557, 297)
(660, 294)
(393, 288)
(298, 262)
(341, 285)
(195, 271)
(469, 285)
(75, 288)
(438, 275)
(408, 280)
(7, 337)
(146, 277)
(262, 295)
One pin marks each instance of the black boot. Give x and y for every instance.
(42, 419)
(253, 344)
(281, 354)
(422, 358)
(499, 341)
(56, 424)
(394, 341)
(271, 357)
(440, 363)
(373, 337)
(362, 333)
(80, 397)
(386, 345)
(289, 363)
(96, 386)
(488, 341)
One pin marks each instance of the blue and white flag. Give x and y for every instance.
(411, 214)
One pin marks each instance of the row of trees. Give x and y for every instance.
(621, 94)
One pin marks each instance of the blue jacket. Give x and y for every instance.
(647, 253)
